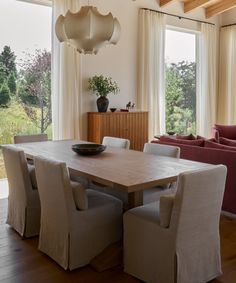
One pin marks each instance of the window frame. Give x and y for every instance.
(197, 34)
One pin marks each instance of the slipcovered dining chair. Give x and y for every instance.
(153, 194)
(116, 142)
(23, 200)
(30, 138)
(76, 224)
(177, 239)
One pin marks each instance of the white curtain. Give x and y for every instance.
(66, 80)
(227, 76)
(207, 96)
(151, 69)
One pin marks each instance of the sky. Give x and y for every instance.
(180, 46)
(24, 27)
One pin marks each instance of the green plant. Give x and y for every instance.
(102, 86)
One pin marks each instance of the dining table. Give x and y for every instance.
(127, 170)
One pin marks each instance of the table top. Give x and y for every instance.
(128, 170)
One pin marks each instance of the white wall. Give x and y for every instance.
(120, 61)
(229, 17)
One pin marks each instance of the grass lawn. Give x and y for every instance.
(14, 121)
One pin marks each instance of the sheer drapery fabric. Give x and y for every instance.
(207, 98)
(227, 81)
(151, 69)
(66, 80)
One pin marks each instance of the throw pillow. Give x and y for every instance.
(80, 196)
(226, 141)
(180, 141)
(213, 144)
(201, 138)
(186, 137)
(166, 206)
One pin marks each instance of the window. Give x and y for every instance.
(180, 61)
(25, 69)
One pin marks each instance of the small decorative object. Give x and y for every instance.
(128, 105)
(102, 86)
(113, 109)
(87, 30)
(88, 148)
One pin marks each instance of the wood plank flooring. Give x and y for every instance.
(21, 262)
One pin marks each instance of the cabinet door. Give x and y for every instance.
(128, 125)
(137, 129)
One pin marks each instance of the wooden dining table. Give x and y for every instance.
(128, 170)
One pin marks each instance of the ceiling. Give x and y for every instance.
(212, 7)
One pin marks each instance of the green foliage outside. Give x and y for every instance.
(181, 98)
(14, 121)
(25, 97)
(4, 95)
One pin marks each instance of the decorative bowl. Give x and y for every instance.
(113, 109)
(88, 148)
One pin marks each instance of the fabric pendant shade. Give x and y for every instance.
(87, 30)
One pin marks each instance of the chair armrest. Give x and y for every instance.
(166, 206)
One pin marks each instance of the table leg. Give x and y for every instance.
(135, 199)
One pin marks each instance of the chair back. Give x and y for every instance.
(195, 219)
(18, 176)
(54, 192)
(116, 142)
(198, 201)
(30, 138)
(162, 150)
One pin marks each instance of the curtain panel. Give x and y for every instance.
(151, 69)
(227, 78)
(66, 80)
(207, 96)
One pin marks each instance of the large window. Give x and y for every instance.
(180, 60)
(25, 70)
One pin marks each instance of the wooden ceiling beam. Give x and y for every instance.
(191, 5)
(220, 7)
(165, 2)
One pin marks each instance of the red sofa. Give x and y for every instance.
(213, 156)
(224, 131)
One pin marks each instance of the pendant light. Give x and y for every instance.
(87, 30)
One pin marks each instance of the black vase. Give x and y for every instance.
(102, 104)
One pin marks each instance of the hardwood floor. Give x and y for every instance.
(21, 262)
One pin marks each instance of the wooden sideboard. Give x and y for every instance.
(128, 125)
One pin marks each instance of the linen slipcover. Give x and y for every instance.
(189, 250)
(23, 200)
(69, 236)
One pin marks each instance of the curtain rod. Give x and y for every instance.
(176, 16)
(230, 25)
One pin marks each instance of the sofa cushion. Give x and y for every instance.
(201, 138)
(213, 144)
(226, 131)
(228, 142)
(198, 142)
(186, 137)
